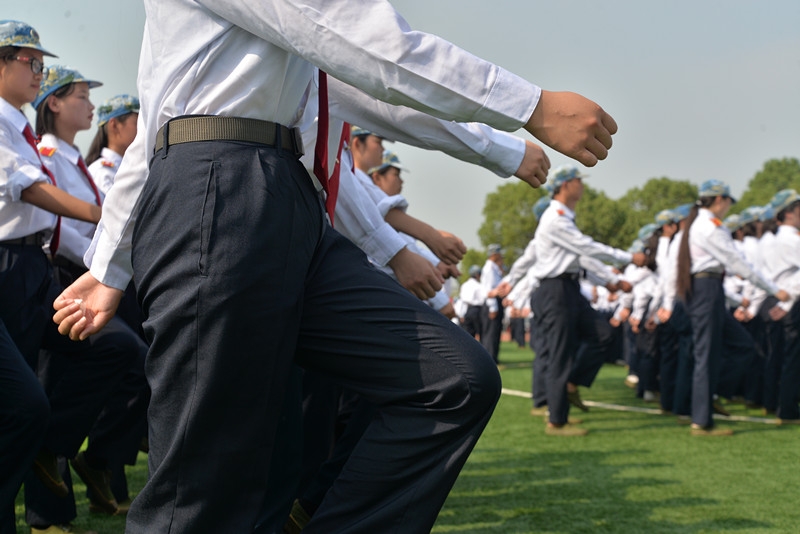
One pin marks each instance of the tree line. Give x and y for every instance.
(509, 221)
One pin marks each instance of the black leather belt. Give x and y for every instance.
(709, 274)
(212, 128)
(566, 276)
(36, 239)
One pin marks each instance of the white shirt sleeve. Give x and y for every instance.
(497, 151)
(565, 233)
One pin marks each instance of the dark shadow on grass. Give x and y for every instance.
(567, 492)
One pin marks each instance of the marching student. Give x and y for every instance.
(31, 211)
(558, 306)
(768, 248)
(706, 253)
(229, 304)
(114, 388)
(493, 312)
(116, 130)
(786, 266)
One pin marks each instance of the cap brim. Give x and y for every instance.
(39, 48)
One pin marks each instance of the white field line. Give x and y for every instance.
(653, 411)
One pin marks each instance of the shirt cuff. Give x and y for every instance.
(510, 103)
(383, 244)
(110, 265)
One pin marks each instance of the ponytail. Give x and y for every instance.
(684, 289)
(99, 142)
(684, 282)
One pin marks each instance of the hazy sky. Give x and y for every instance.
(700, 89)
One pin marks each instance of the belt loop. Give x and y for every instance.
(165, 132)
(278, 140)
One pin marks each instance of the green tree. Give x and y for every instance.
(601, 218)
(471, 257)
(655, 195)
(508, 218)
(777, 174)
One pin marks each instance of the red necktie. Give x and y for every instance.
(329, 184)
(82, 167)
(31, 139)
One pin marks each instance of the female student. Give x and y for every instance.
(31, 208)
(63, 108)
(116, 129)
(706, 253)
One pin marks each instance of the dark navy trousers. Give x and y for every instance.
(237, 273)
(717, 337)
(789, 383)
(24, 412)
(564, 319)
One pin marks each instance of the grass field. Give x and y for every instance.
(634, 472)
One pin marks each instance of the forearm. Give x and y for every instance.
(402, 222)
(52, 199)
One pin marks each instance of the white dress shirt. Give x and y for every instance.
(712, 250)
(647, 297)
(669, 272)
(20, 167)
(61, 159)
(472, 293)
(786, 262)
(234, 58)
(104, 169)
(491, 276)
(559, 244)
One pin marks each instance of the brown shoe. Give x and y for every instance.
(45, 467)
(540, 411)
(298, 519)
(574, 398)
(698, 430)
(61, 529)
(570, 420)
(122, 508)
(788, 422)
(565, 430)
(683, 420)
(98, 481)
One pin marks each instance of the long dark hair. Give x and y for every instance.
(684, 282)
(45, 118)
(100, 140)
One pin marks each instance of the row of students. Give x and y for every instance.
(696, 339)
(665, 322)
(96, 387)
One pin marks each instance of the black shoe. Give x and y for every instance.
(98, 481)
(45, 467)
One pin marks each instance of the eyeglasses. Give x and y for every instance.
(36, 66)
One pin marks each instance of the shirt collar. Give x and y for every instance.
(559, 206)
(16, 117)
(68, 151)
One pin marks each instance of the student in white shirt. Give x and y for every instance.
(239, 291)
(786, 266)
(31, 210)
(116, 130)
(559, 309)
(115, 384)
(706, 253)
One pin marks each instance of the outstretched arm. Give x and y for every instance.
(573, 125)
(447, 247)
